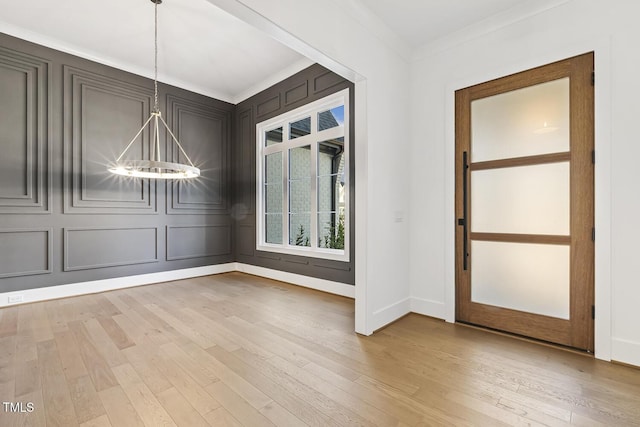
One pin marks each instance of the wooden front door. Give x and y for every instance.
(524, 203)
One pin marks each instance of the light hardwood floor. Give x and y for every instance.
(237, 350)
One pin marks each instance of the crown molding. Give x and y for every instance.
(376, 26)
(272, 80)
(489, 25)
(53, 43)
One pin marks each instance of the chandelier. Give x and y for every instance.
(155, 167)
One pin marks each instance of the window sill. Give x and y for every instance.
(327, 254)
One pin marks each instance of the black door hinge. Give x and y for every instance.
(593, 78)
(593, 234)
(593, 156)
(593, 311)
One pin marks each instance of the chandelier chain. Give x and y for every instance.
(156, 107)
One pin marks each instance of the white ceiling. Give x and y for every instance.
(419, 22)
(203, 48)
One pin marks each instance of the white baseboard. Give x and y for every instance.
(390, 313)
(625, 351)
(328, 286)
(95, 286)
(428, 307)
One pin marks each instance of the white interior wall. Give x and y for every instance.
(608, 28)
(405, 232)
(332, 34)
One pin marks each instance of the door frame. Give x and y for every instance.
(577, 330)
(507, 65)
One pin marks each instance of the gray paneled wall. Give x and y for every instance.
(100, 115)
(63, 217)
(25, 97)
(15, 243)
(307, 86)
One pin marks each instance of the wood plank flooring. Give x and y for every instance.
(239, 350)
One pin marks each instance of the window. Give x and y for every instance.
(303, 180)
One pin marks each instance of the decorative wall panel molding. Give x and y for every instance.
(326, 81)
(25, 164)
(245, 164)
(25, 252)
(267, 107)
(342, 266)
(268, 255)
(246, 239)
(86, 248)
(101, 115)
(198, 241)
(297, 93)
(204, 131)
(296, 260)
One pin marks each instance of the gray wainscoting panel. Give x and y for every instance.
(102, 114)
(296, 93)
(322, 263)
(25, 163)
(246, 239)
(268, 106)
(245, 163)
(203, 131)
(25, 252)
(89, 248)
(326, 81)
(197, 241)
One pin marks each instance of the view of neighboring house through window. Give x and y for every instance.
(303, 184)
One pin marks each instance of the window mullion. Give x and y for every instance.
(261, 206)
(313, 173)
(300, 141)
(347, 173)
(272, 149)
(285, 189)
(332, 133)
(262, 189)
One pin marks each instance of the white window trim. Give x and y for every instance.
(311, 109)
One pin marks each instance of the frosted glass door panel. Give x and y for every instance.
(524, 200)
(525, 277)
(523, 122)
